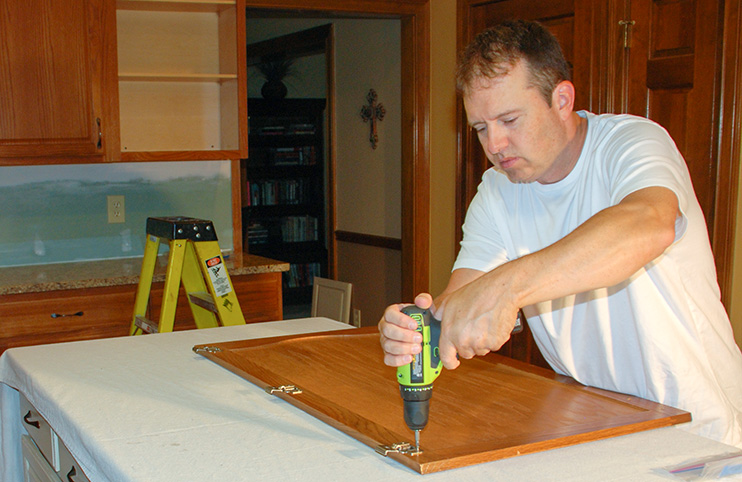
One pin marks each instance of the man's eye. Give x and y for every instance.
(509, 121)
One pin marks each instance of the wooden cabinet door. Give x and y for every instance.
(52, 64)
(672, 76)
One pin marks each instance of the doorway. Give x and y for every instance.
(360, 240)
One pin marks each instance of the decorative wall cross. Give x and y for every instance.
(371, 113)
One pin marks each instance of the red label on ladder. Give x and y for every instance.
(218, 275)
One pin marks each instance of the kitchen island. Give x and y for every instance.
(149, 408)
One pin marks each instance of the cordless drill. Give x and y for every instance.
(416, 378)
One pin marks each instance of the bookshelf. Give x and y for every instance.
(283, 190)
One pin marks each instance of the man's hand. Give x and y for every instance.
(476, 319)
(399, 340)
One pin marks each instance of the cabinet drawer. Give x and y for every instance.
(68, 315)
(35, 467)
(39, 430)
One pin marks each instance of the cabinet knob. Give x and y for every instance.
(33, 423)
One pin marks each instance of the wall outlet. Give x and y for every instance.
(116, 209)
(357, 318)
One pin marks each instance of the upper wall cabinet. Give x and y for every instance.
(181, 69)
(52, 77)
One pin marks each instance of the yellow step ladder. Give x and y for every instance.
(195, 258)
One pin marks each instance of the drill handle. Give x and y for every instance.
(435, 338)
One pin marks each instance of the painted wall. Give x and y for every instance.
(442, 142)
(54, 214)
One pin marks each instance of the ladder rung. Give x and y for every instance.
(204, 300)
(147, 326)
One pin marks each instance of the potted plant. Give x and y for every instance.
(274, 71)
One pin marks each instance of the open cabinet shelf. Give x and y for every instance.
(181, 79)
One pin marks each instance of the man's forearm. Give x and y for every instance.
(605, 250)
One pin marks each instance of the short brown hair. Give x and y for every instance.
(496, 50)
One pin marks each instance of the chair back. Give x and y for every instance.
(331, 299)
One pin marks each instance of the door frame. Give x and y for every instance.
(415, 60)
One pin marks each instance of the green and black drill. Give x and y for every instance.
(416, 378)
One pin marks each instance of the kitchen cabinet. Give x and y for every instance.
(54, 76)
(101, 312)
(181, 79)
(45, 457)
(283, 200)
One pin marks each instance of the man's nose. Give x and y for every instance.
(496, 141)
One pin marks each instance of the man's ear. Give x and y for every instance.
(564, 98)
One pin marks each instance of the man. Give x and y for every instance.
(591, 226)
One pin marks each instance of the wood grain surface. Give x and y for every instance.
(489, 408)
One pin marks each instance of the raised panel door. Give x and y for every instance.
(51, 80)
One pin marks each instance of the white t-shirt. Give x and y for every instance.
(663, 334)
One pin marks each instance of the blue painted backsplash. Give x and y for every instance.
(54, 214)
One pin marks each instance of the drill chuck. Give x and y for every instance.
(416, 405)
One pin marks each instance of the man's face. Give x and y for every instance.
(521, 135)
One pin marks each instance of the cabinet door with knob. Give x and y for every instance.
(54, 59)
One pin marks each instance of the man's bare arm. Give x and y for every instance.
(607, 249)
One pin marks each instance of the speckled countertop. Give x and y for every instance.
(111, 272)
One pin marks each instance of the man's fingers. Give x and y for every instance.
(448, 354)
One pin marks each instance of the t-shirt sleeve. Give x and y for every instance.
(645, 157)
(481, 247)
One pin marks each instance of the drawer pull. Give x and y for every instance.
(33, 423)
(62, 315)
(71, 474)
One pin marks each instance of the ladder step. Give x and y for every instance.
(204, 300)
(147, 326)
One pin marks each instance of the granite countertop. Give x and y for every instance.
(111, 272)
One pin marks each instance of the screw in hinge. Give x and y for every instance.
(627, 24)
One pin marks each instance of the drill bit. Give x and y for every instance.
(417, 441)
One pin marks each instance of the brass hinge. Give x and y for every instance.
(627, 24)
(288, 389)
(399, 448)
(206, 349)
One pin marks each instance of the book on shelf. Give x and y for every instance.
(301, 275)
(295, 229)
(274, 192)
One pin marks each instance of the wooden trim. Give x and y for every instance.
(369, 240)
(298, 44)
(236, 173)
(331, 153)
(727, 177)
(415, 50)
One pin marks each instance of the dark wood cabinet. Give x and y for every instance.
(283, 199)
